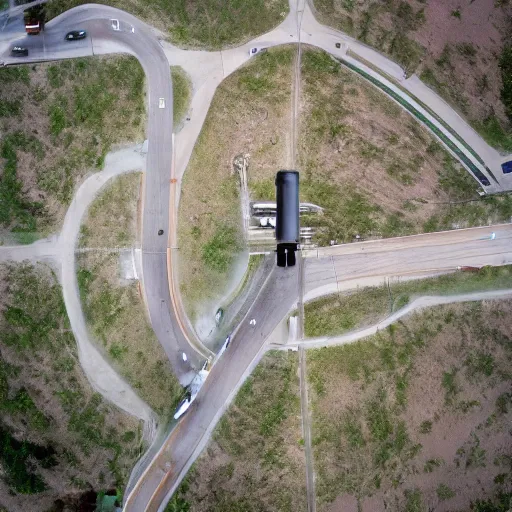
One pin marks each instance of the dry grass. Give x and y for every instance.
(373, 167)
(111, 220)
(63, 131)
(212, 25)
(47, 400)
(114, 307)
(423, 406)
(335, 314)
(255, 460)
(249, 115)
(454, 46)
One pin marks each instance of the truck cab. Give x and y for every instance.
(34, 20)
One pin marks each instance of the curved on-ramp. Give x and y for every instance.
(129, 35)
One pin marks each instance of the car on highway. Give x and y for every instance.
(75, 35)
(183, 405)
(192, 391)
(19, 51)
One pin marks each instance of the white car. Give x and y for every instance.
(192, 391)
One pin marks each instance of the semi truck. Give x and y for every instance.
(34, 19)
(287, 217)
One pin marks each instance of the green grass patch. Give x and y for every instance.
(16, 211)
(263, 190)
(85, 107)
(44, 394)
(414, 501)
(340, 313)
(181, 90)
(494, 134)
(506, 78)
(10, 108)
(366, 431)
(16, 459)
(336, 314)
(218, 253)
(450, 386)
(15, 74)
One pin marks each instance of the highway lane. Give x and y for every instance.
(135, 38)
(365, 263)
(192, 433)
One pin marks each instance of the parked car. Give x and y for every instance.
(19, 51)
(255, 50)
(75, 35)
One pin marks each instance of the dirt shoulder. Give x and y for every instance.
(455, 47)
(111, 297)
(373, 168)
(416, 415)
(58, 131)
(255, 460)
(60, 440)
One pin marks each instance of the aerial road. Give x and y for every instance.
(342, 267)
(113, 31)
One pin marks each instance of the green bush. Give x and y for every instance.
(219, 251)
(444, 492)
(506, 78)
(10, 108)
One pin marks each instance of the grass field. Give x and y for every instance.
(255, 460)
(61, 131)
(114, 307)
(181, 93)
(373, 168)
(249, 110)
(417, 414)
(213, 25)
(459, 51)
(336, 314)
(59, 438)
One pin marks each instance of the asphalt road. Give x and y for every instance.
(334, 269)
(135, 38)
(368, 263)
(191, 435)
(345, 266)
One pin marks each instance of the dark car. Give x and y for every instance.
(19, 51)
(74, 35)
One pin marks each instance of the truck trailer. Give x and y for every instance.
(287, 217)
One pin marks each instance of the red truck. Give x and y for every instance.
(34, 19)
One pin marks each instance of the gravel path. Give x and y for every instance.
(61, 250)
(416, 305)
